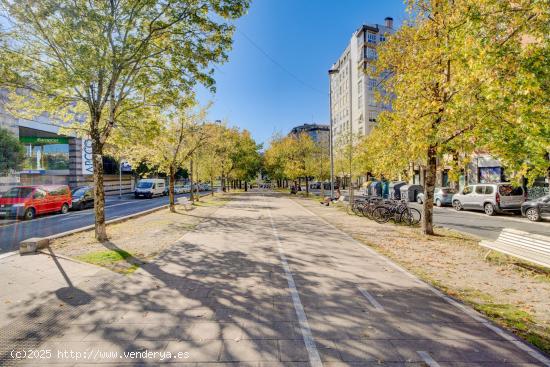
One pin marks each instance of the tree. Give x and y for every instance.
(206, 154)
(321, 163)
(437, 102)
(225, 146)
(274, 159)
(247, 158)
(171, 144)
(292, 157)
(105, 58)
(346, 158)
(516, 48)
(12, 152)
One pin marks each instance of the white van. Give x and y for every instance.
(149, 187)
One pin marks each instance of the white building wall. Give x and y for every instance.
(354, 107)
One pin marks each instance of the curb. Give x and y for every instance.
(111, 221)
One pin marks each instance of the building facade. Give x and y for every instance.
(354, 109)
(51, 156)
(317, 132)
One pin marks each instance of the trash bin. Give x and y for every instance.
(375, 188)
(395, 189)
(385, 189)
(410, 192)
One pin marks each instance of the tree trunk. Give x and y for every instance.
(246, 186)
(429, 188)
(211, 186)
(171, 189)
(307, 186)
(99, 193)
(192, 191)
(351, 193)
(198, 196)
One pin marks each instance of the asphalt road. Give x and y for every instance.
(480, 224)
(16, 231)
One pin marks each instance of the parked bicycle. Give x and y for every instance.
(383, 210)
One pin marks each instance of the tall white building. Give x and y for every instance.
(353, 104)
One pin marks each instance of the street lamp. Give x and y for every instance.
(330, 73)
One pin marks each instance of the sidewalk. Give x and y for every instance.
(262, 282)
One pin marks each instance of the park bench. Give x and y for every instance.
(187, 204)
(527, 246)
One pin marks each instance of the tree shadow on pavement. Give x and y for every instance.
(222, 294)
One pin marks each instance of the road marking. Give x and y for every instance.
(314, 357)
(473, 314)
(371, 299)
(427, 358)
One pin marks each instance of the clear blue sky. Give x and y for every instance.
(303, 36)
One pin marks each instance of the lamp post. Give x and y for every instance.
(331, 149)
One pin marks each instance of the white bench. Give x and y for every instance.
(187, 204)
(527, 246)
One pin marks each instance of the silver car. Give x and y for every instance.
(491, 198)
(442, 196)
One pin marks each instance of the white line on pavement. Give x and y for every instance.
(475, 315)
(314, 357)
(371, 299)
(427, 358)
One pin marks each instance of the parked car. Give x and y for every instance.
(315, 185)
(536, 209)
(491, 198)
(179, 189)
(442, 196)
(150, 187)
(83, 197)
(29, 201)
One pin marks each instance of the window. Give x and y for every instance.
(371, 37)
(372, 101)
(370, 53)
(59, 191)
(467, 190)
(39, 194)
(480, 190)
(17, 192)
(372, 116)
(382, 38)
(509, 190)
(372, 83)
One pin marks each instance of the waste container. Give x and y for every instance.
(395, 189)
(385, 189)
(375, 188)
(410, 192)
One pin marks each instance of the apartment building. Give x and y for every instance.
(319, 133)
(353, 106)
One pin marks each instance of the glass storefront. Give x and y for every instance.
(46, 153)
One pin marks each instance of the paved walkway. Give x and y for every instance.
(263, 282)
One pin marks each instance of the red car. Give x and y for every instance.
(29, 201)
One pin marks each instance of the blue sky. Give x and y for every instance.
(303, 36)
